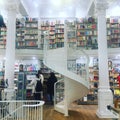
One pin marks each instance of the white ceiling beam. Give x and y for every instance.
(90, 10)
(30, 8)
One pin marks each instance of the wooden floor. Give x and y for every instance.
(76, 112)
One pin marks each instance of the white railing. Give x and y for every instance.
(21, 110)
(59, 91)
(80, 62)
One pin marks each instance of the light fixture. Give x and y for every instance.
(1, 2)
(60, 3)
(56, 3)
(34, 58)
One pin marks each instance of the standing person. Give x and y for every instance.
(36, 87)
(50, 86)
(41, 77)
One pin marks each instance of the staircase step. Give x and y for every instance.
(60, 108)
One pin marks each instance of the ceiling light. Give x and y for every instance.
(4, 58)
(114, 11)
(1, 2)
(56, 3)
(36, 4)
(34, 58)
(61, 3)
(117, 56)
(67, 1)
(62, 14)
(50, 11)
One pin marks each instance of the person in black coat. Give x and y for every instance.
(50, 86)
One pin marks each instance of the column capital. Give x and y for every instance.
(12, 5)
(100, 5)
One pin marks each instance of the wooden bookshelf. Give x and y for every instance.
(86, 33)
(31, 33)
(20, 34)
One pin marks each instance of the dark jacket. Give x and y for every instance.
(50, 83)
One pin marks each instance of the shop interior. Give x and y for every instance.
(45, 26)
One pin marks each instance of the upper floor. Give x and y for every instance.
(79, 33)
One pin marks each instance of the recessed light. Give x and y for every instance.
(34, 58)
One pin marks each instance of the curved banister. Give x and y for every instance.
(37, 104)
(80, 52)
(55, 90)
(14, 109)
(75, 85)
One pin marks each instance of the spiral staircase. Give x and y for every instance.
(75, 85)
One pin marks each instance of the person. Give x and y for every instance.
(118, 79)
(36, 89)
(50, 86)
(41, 77)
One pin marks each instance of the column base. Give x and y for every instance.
(9, 94)
(107, 114)
(105, 98)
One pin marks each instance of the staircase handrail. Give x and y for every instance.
(69, 76)
(86, 55)
(61, 80)
(36, 103)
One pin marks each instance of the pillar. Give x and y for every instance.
(105, 96)
(10, 45)
(66, 80)
(39, 34)
(65, 44)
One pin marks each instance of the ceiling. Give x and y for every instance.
(58, 8)
(66, 8)
(55, 8)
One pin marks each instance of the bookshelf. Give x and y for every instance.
(21, 86)
(81, 33)
(56, 33)
(3, 32)
(71, 32)
(20, 33)
(113, 30)
(31, 33)
(52, 35)
(44, 26)
(59, 34)
(86, 33)
(1, 75)
(113, 69)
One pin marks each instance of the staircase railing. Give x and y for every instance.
(78, 85)
(59, 91)
(21, 110)
(79, 62)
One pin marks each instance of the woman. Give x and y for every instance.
(36, 87)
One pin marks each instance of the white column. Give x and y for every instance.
(39, 33)
(10, 46)
(66, 100)
(65, 44)
(66, 96)
(105, 96)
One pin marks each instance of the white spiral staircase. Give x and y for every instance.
(75, 86)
